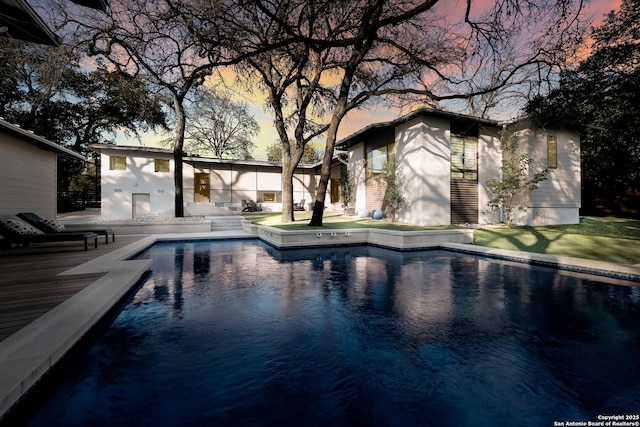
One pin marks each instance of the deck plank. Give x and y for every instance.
(29, 285)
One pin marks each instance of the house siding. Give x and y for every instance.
(29, 178)
(139, 177)
(423, 153)
(357, 175)
(557, 200)
(229, 184)
(489, 162)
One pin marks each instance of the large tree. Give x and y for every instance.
(600, 98)
(175, 45)
(51, 94)
(220, 126)
(47, 91)
(148, 39)
(338, 55)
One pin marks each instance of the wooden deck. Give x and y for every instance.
(29, 286)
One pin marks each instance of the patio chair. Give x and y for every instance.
(250, 206)
(53, 226)
(299, 206)
(19, 232)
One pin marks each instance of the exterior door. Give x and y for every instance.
(202, 189)
(141, 203)
(464, 180)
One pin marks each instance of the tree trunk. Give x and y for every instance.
(178, 145)
(321, 191)
(325, 170)
(287, 191)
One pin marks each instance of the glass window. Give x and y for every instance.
(552, 152)
(268, 197)
(464, 158)
(161, 165)
(378, 158)
(117, 163)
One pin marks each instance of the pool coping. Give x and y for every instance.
(27, 355)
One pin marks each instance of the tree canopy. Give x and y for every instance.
(600, 98)
(219, 126)
(315, 61)
(310, 155)
(47, 91)
(318, 60)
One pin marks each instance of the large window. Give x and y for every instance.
(268, 196)
(464, 157)
(379, 157)
(161, 165)
(552, 152)
(117, 163)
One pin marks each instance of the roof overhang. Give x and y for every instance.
(19, 20)
(99, 148)
(93, 4)
(197, 159)
(39, 141)
(376, 128)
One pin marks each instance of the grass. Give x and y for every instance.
(606, 239)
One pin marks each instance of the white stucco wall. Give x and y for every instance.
(423, 153)
(489, 161)
(229, 184)
(558, 199)
(119, 186)
(28, 178)
(358, 175)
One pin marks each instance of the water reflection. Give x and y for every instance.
(238, 333)
(431, 293)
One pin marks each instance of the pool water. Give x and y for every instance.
(238, 333)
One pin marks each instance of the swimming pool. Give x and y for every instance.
(239, 333)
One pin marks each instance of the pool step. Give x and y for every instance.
(226, 222)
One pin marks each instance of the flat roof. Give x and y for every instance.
(41, 142)
(197, 159)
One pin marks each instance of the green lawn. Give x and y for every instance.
(605, 239)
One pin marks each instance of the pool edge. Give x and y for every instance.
(27, 355)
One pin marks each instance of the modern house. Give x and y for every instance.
(28, 171)
(139, 181)
(446, 159)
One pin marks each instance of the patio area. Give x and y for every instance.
(30, 285)
(51, 295)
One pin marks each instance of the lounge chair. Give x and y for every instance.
(250, 206)
(19, 232)
(299, 206)
(53, 226)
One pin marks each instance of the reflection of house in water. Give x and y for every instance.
(201, 263)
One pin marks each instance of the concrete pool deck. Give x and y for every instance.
(27, 355)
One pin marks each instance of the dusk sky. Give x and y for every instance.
(356, 120)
